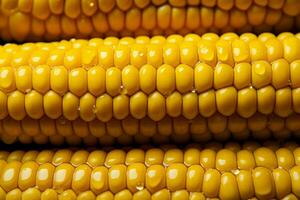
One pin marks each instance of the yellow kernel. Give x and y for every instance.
(155, 178)
(245, 185)
(165, 79)
(138, 55)
(156, 106)
(52, 101)
(149, 17)
(70, 106)
(283, 105)
(40, 9)
(19, 32)
(104, 107)
(72, 8)
(16, 105)
(7, 79)
(34, 104)
(130, 79)
(31, 194)
(171, 54)
(116, 19)
(226, 100)
(56, 6)
(190, 105)
(228, 180)
(27, 175)
(256, 15)
(164, 16)
(258, 50)
(138, 105)
(154, 55)
(211, 183)
(291, 48)
(120, 106)
(246, 105)
(192, 18)
(266, 100)
(117, 178)
(207, 103)
(184, 78)
(78, 81)
(133, 19)
(241, 51)
(72, 58)
(113, 81)
(261, 74)
(223, 76)
(263, 183)
(87, 106)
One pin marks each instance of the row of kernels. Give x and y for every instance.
(191, 155)
(107, 157)
(147, 127)
(150, 17)
(216, 126)
(270, 155)
(145, 138)
(69, 30)
(90, 140)
(227, 101)
(70, 26)
(173, 50)
(155, 177)
(169, 52)
(165, 78)
(89, 7)
(287, 6)
(35, 194)
(114, 41)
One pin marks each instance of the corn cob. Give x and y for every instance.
(175, 77)
(52, 19)
(232, 172)
(130, 130)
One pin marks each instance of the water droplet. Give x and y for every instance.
(95, 110)
(165, 164)
(140, 186)
(27, 90)
(235, 171)
(78, 108)
(92, 4)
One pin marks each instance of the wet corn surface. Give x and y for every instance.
(131, 113)
(158, 89)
